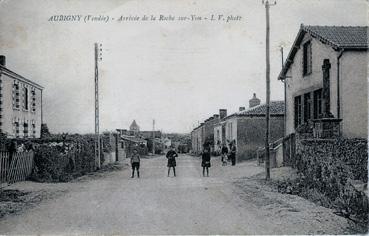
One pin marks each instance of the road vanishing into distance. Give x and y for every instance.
(227, 202)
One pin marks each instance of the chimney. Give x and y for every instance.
(254, 101)
(222, 113)
(2, 60)
(241, 108)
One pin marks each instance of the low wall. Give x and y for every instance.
(276, 155)
(336, 168)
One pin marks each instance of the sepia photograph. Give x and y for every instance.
(184, 117)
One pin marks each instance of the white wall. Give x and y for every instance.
(353, 86)
(231, 129)
(9, 113)
(354, 94)
(217, 139)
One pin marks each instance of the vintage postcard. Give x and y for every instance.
(184, 117)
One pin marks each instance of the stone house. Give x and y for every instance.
(20, 104)
(247, 128)
(197, 139)
(204, 133)
(326, 78)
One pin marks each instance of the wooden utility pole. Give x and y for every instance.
(153, 137)
(98, 55)
(285, 95)
(267, 115)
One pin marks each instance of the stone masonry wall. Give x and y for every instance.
(338, 169)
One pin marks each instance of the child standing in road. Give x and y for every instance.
(135, 163)
(171, 155)
(205, 162)
(224, 154)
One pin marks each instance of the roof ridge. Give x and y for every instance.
(346, 26)
(20, 77)
(316, 34)
(257, 106)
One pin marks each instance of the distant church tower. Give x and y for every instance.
(254, 101)
(134, 127)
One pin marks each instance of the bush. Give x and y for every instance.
(60, 160)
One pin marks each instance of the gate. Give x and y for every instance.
(289, 150)
(16, 167)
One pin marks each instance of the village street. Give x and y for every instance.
(225, 203)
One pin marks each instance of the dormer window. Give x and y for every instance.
(307, 59)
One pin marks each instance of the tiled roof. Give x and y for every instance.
(133, 139)
(340, 36)
(276, 108)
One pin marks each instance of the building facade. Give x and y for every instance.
(326, 77)
(204, 134)
(247, 128)
(197, 139)
(20, 104)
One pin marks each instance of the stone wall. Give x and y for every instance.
(336, 168)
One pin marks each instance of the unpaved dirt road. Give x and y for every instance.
(186, 204)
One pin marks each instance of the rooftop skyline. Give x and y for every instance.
(178, 73)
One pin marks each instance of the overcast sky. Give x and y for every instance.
(178, 73)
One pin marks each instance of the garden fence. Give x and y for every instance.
(16, 167)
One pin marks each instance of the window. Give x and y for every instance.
(33, 130)
(16, 125)
(307, 59)
(25, 100)
(16, 96)
(33, 97)
(25, 130)
(298, 111)
(317, 103)
(307, 107)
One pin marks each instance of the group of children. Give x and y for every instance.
(135, 162)
(229, 155)
(171, 156)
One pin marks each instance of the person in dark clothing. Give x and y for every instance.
(205, 162)
(135, 163)
(224, 153)
(233, 152)
(171, 156)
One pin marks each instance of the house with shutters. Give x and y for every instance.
(326, 79)
(20, 104)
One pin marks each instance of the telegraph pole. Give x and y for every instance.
(98, 54)
(285, 95)
(153, 137)
(267, 115)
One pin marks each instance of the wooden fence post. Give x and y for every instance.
(116, 148)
